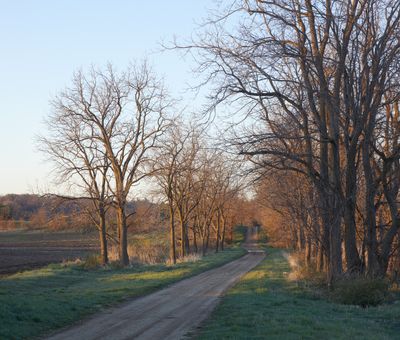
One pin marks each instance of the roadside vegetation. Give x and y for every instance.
(267, 304)
(38, 301)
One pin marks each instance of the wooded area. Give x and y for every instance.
(321, 81)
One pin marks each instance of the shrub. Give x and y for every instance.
(92, 261)
(115, 265)
(360, 291)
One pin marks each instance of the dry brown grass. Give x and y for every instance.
(188, 258)
(145, 251)
(300, 271)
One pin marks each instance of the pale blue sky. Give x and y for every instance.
(43, 42)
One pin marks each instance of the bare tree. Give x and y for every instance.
(80, 161)
(170, 161)
(315, 74)
(125, 113)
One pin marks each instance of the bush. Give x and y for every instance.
(92, 261)
(361, 291)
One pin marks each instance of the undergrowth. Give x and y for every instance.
(354, 290)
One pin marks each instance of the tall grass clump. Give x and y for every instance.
(192, 257)
(301, 271)
(361, 291)
(92, 261)
(144, 251)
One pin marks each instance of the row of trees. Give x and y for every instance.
(109, 131)
(49, 212)
(200, 185)
(321, 80)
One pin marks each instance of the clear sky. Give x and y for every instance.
(43, 42)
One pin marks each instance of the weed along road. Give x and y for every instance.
(171, 312)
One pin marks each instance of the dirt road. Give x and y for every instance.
(169, 313)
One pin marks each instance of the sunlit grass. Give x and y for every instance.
(37, 301)
(266, 305)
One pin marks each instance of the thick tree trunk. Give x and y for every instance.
(123, 236)
(353, 261)
(370, 212)
(336, 265)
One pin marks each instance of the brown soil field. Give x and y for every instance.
(22, 250)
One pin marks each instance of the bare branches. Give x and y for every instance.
(103, 130)
(316, 77)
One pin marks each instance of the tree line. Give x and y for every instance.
(320, 81)
(55, 213)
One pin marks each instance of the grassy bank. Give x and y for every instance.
(37, 301)
(264, 304)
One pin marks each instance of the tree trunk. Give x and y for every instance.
(335, 253)
(218, 232)
(223, 233)
(203, 245)
(187, 241)
(196, 249)
(172, 235)
(308, 251)
(353, 261)
(103, 237)
(183, 237)
(207, 239)
(370, 212)
(123, 236)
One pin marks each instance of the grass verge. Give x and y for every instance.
(264, 304)
(35, 302)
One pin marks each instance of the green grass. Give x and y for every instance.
(38, 301)
(264, 304)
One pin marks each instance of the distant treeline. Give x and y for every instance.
(55, 213)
